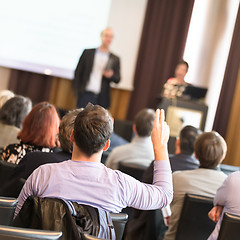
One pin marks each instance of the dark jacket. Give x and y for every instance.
(82, 74)
(27, 165)
(54, 214)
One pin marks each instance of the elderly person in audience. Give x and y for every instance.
(5, 95)
(39, 133)
(140, 149)
(86, 180)
(227, 199)
(33, 160)
(12, 115)
(210, 149)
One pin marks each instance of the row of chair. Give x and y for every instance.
(195, 224)
(195, 209)
(7, 209)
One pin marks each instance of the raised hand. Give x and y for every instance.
(160, 136)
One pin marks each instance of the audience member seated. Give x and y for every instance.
(86, 180)
(210, 149)
(39, 133)
(227, 199)
(140, 149)
(184, 159)
(33, 160)
(116, 141)
(5, 95)
(12, 115)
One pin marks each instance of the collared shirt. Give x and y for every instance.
(94, 184)
(228, 196)
(99, 65)
(140, 150)
(200, 181)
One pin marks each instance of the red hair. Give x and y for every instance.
(40, 127)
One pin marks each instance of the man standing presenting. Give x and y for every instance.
(95, 70)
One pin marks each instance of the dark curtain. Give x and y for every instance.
(162, 46)
(33, 85)
(229, 82)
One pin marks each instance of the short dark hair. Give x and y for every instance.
(92, 128)
(14, 111)
(188, 136)
(183, 62)
(65, 129)
(144, 122)
(210, 149)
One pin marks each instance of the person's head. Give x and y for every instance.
(210, 149)
(92, 129)
(187, 138)
(106, 37)
(4, 96)
(40, 127)
(143, 122)
(181, 69)
(15, 110)
(66, 128)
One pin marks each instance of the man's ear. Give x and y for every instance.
(134, 128)
(178, 141)
(177, 146)
(107, 145)
(72, 136)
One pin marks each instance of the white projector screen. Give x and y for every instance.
(48, 36)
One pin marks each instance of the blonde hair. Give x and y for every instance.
(4, 96)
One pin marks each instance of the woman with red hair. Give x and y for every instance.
(39, 133)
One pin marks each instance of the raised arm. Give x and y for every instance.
(160, 136)
(159, 194)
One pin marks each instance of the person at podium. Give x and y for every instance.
(174, 87)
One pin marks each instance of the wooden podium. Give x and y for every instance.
(179, 113)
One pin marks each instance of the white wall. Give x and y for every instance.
(207, 47)
(126, 19)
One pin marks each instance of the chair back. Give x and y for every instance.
(7, 209)
(6, 170)
(194, 222)
(134, 169)
(15, 233)
(85, 236)
(230, 227)
(119, 221)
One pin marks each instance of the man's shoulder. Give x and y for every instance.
(88, 51)
(183, 162)
(50, 167)
(184, 174)
(113, 55)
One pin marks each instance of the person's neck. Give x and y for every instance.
(104, 49)
(180, 80)
(79, 156)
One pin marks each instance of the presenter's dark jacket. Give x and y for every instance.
(82, 75)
